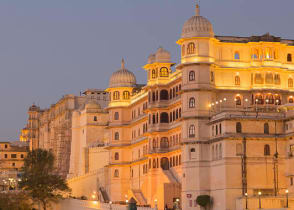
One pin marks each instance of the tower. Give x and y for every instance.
(197, 92)
(121, 86)
(33, 126)
(159, 67)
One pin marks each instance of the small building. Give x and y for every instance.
(12, 156)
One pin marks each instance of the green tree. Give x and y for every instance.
(40, 180)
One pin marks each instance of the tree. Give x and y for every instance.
(203, 200)
(40, 180)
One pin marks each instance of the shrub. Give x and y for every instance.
(203, 200)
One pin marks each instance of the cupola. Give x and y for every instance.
(122, 78)
(197, 26)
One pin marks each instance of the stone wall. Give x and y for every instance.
(74, 204)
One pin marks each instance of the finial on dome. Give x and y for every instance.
(197, 7)
(122, 63)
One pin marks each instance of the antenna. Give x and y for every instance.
(197, 11)
(122, 64)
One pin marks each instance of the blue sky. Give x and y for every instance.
(57, 47)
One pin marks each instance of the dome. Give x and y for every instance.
(151, 59)
(33, 108)
(122, 78)
(92, 105)
(197, 26)
(162, 56)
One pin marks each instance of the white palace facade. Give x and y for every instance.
(219, 123)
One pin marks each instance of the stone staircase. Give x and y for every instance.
(104, 195)
(139, 197)
(171, 177)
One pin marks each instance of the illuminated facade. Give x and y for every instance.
(219, 124)
(12, 155)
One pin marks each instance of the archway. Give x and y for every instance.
(164, 163)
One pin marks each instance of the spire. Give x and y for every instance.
(122, 63)
(197, 8)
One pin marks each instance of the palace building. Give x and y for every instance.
(219, 123)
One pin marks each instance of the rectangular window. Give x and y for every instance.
(5, 155)
(13, 155)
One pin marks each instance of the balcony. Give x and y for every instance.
(164, 103)
(246, 113)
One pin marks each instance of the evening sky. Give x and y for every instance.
(49, 48)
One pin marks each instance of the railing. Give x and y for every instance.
(163, 103)
(243, 113)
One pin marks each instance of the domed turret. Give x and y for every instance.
(162, 56)
(197, 26)
(122, 78)
(151, 59)
(34, 108)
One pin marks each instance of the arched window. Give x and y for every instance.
(154, 163)
(238, 127)
(183, 50)
(211, 76)
(212, 153)
(153, 74)
(116, 116)
(266, 128)
(238, 101)
(275, 54)
(192, 131)
(116, 136)
(290, 82)
(258, 78)
(290, 100)
(237, 56)
(192, 102)
(255, 54)
(163, 95)
(191, 75)
(191, 48)
(237, 80)
(267, 150)
(95, 118)
(126, 95)
(116, 95)
(269, 99)
(220, 152)
(277, 99)
(164, 117)
(116, 173)
(269, 78)
(277, 79)
(116, 156)
(258, 99)
(164, 72)
(268, 53)
(289, 57)
(154, 144)
(164, 142)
